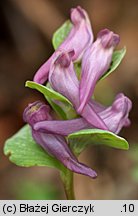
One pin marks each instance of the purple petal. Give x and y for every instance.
(56, 146)
(36, 112)
(116, 116)
(81, 29)
(42, 74)
(62, 77)
(61, 127)
(108, 38)
(95, 63)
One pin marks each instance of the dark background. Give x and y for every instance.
(26, 28)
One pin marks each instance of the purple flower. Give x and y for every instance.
(95, 62)
(79, 38)
(115, 117)
(51, 141)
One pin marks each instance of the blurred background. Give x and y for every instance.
(26, 29)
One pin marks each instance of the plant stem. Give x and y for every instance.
(67, 179)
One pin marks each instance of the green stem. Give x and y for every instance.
(67, 179)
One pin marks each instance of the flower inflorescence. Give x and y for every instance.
(59, 71)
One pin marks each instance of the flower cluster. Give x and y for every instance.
(59, 71)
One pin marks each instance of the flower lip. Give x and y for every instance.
(77, 14)
(64, 59)
(108, 38)
(122, 103)
(35, 112)
(116, 116)
(30, 109)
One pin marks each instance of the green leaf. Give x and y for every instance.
(24, 151)
(117, 57)
(82, 139)
(47, 91)
(61, 34)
